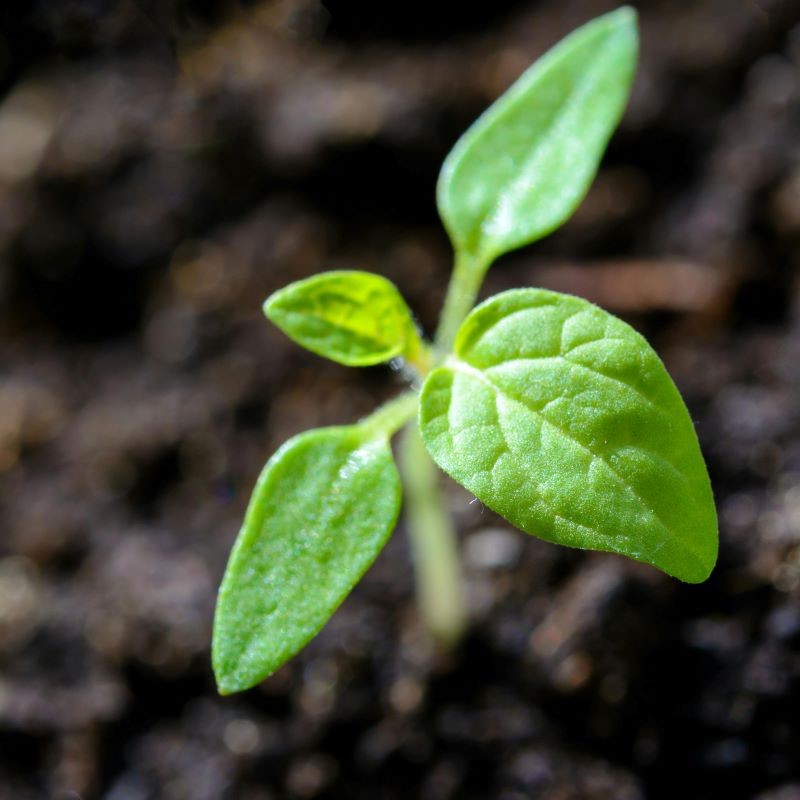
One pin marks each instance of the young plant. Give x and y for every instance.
(552, 412)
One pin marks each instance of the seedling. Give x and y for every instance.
(550, 411)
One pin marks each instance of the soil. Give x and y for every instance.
(163, 168)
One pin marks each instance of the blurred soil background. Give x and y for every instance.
(164, 166)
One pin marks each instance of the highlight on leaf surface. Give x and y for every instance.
(522, 169)
(352, 317)
(321, 512)
(561, 418)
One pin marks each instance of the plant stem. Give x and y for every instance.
(392, 415)
(440, 585)
(440, 588)
(465, 283)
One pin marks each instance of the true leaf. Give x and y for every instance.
(321, 512)
(355, 318)
(522, 169)
(561, 418)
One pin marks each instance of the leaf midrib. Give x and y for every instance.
(467, 369)
(384, 344)
(584, 367)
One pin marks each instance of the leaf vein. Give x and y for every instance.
(592, 370)
(498, 390)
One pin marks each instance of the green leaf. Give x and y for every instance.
(522, 169)
(320, 513)
(562, 418)
(355, 318)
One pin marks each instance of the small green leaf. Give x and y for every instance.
(321, 512)
(355, 318)
(563, 419)
(522, 169)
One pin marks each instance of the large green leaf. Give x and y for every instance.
(522, 169)
(355, 318)
(322, 510)
(561, 418)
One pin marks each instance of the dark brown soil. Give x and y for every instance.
(163, 168)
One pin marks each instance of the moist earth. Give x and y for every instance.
(164, 167)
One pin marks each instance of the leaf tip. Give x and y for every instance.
(624, 15)
(231, 672)
(621, 27)
(228, 685)
(702, 567)
(623, 19)
(270, 304)
(223, 676)
(230, 678)
(693, 564)
(224, 689)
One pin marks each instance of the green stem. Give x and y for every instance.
(440, 588)
(465, 283)
(392, 415)
(419, 358)
(440, 584)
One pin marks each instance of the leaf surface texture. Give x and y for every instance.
(561, 418)
(354, 318)
(321, 512)
(522, 169)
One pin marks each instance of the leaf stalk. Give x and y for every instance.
(462, 292)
